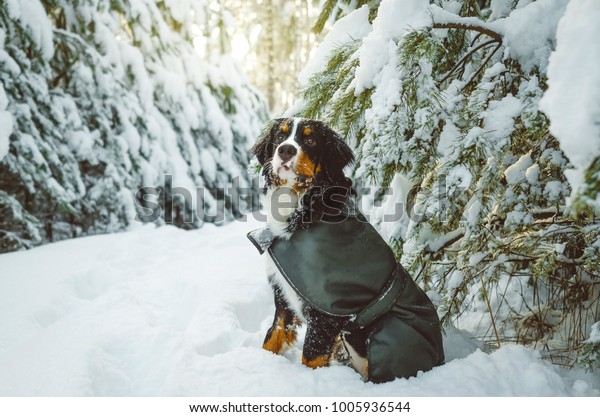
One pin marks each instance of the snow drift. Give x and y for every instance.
(162, 311)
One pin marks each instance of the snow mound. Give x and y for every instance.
(571, 101)
(162, 311)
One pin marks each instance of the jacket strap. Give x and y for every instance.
(386, 299)
(261, 239)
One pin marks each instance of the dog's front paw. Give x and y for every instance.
(316, 362)
(280, 338)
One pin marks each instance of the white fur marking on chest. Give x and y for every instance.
(280, 203)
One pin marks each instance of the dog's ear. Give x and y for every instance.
(339, 156)
(264, 147)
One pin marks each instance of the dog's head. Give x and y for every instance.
(302, 148)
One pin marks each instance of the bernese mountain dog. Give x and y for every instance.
(303, 165)
(330, 269)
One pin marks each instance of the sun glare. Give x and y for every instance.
(239, 46)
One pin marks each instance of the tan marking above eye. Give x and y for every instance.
(285, 128)
(307, 131)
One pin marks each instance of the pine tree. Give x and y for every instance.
(106, 97)
(441, 102)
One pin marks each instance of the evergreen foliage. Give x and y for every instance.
(104, 97)
(450, 122)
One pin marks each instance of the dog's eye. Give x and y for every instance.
(310, 141)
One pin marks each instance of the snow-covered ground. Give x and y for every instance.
(167, 312)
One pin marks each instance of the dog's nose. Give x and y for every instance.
(286, 152)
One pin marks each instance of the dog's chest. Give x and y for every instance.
(279, 204)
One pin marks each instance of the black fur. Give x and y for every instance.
(264, 147)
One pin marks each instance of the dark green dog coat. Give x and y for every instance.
(342, 267)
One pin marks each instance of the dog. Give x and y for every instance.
(303, 164)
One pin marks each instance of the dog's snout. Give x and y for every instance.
(286, 152)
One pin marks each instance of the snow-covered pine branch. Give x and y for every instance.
(101, 98)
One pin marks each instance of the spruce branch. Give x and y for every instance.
(465, 26)
(481, 67)
(463, 60)
(450, 239)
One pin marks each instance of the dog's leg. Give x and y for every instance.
(322, 333)
(282, 334)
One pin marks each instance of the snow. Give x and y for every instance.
(162, 311)
(448, 138)
(595, 333)
(553, 190)
(500, 115)
(532, 174)
(33, 17)
(571, 101)
(81, 143)
(455, 280)
(208, 164)
(352, 27)
(6, 124)
(459, 176)
(517, 172)
(476, 258)
(394, 19)
(528, 32)
(500, 8)
(395, 208)
(448, 15)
